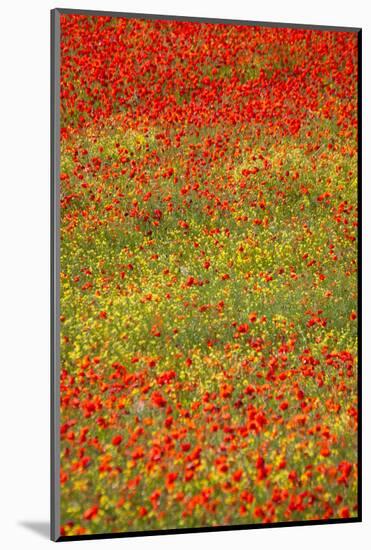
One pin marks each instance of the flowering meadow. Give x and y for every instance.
(208, 277)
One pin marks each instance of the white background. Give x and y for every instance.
(24, 271)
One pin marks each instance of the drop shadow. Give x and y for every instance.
(41, 528)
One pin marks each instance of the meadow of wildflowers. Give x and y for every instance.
(208, 275)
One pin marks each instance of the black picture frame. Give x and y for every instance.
(55, 273)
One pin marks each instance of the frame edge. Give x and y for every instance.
(54, 270)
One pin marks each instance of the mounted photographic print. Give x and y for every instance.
(205, 274)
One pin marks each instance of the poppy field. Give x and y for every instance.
(208, 285)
